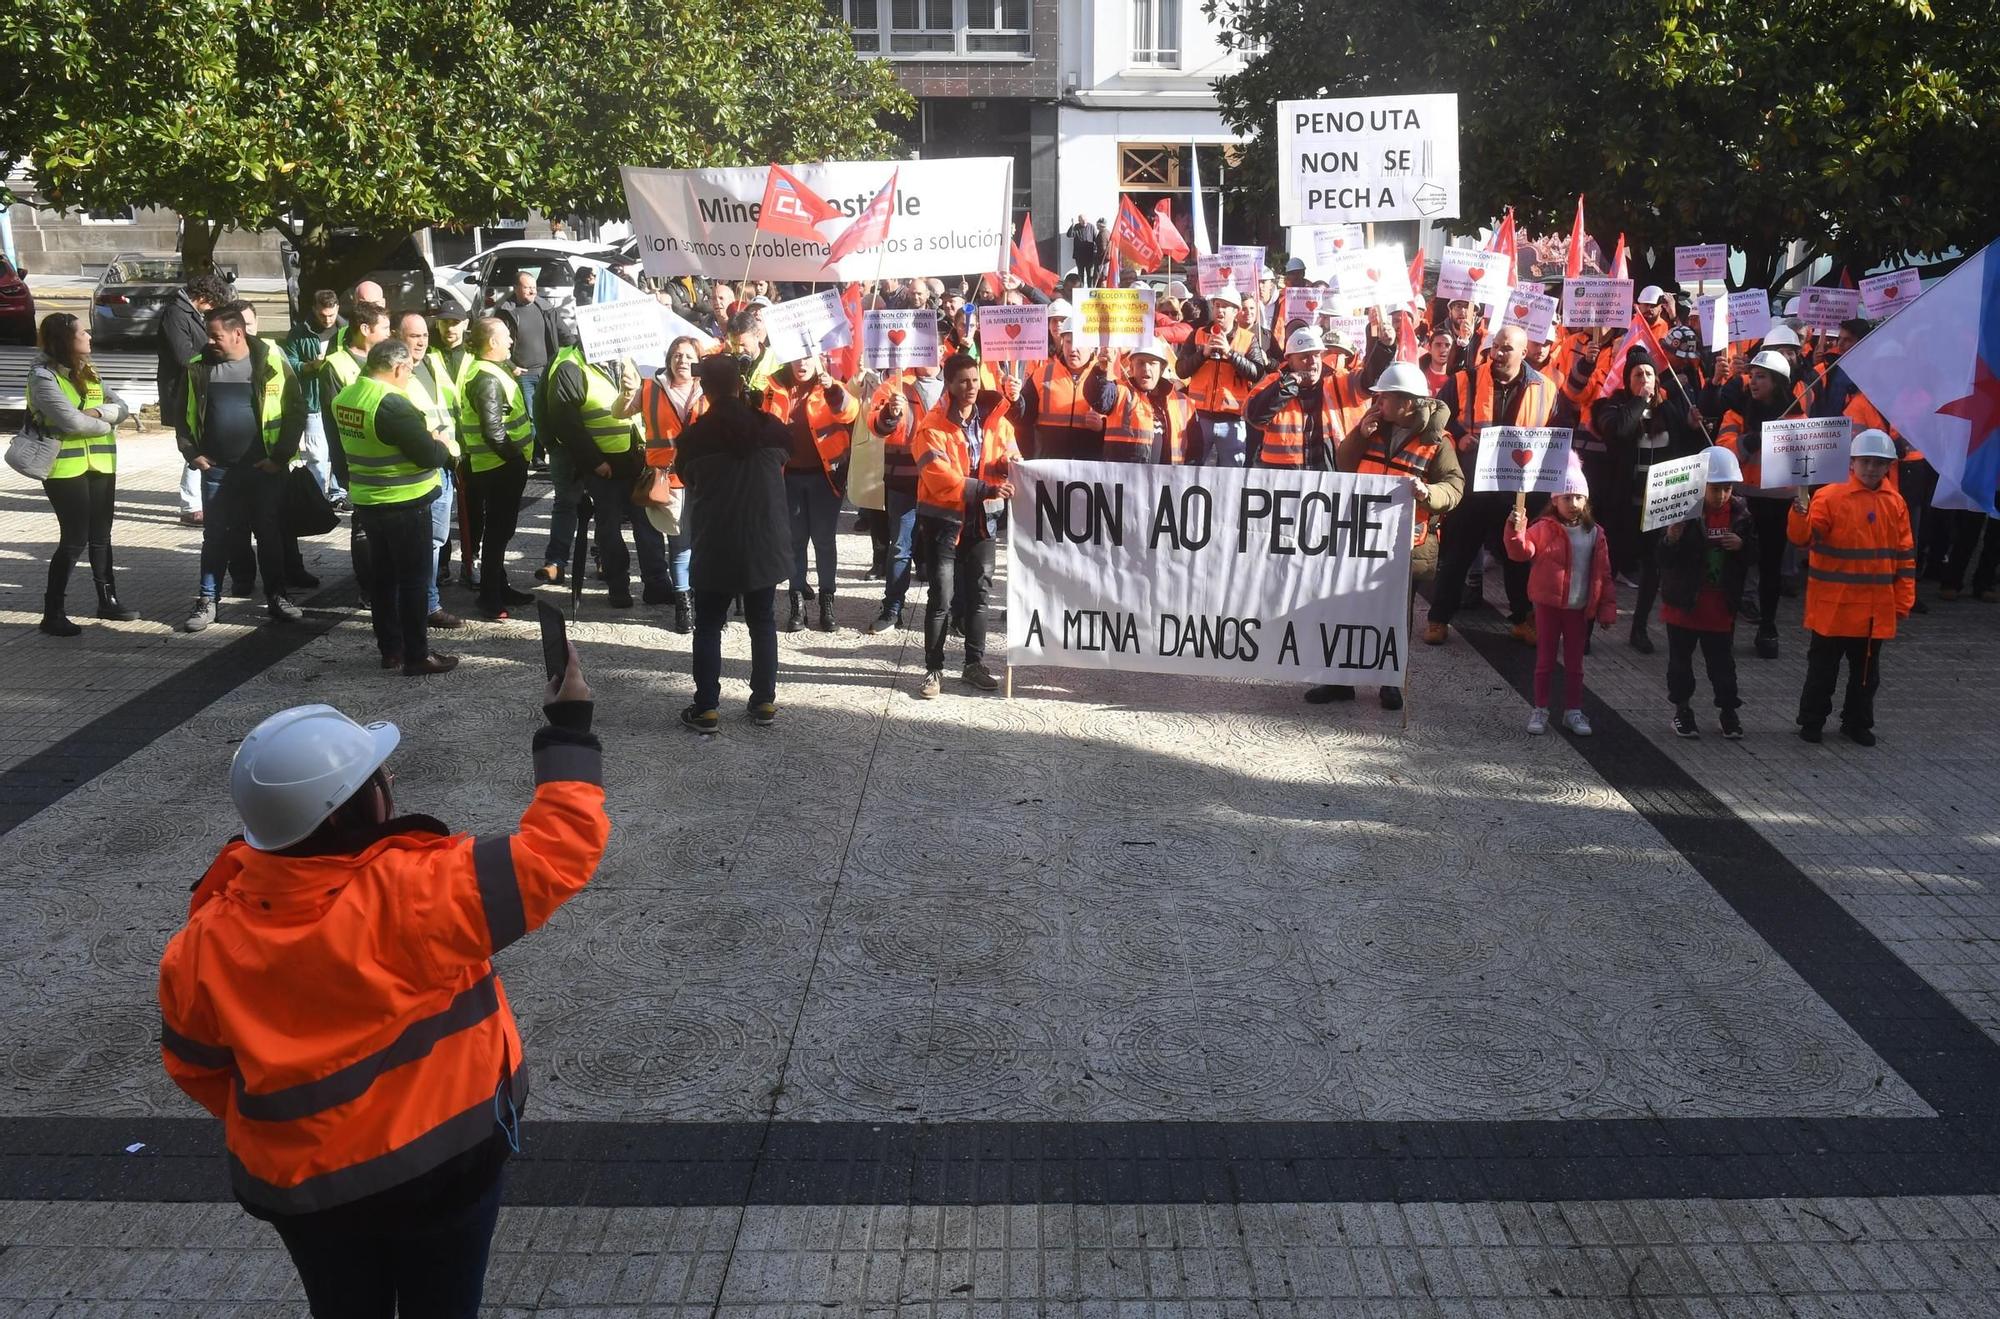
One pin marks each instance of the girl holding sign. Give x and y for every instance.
(1570, 585)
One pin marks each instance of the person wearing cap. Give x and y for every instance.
(1146, 420)
(1640, 424)
(1861, 579)
(1572, 588)
(1703, 561)
(1057, 420)
(1766, 396)
(332, 999)
(819, 414)
(1502, 391)
(1222, 365)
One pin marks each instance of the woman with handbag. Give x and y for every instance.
(668, 403)
(70, 405)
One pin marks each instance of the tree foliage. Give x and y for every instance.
(309, 115)
(1862, 128)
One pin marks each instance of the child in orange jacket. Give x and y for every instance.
(1569, 585)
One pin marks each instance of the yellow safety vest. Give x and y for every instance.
(377, 472)
(84, 453)
(478, 454)
(610, 432)
(271, 411)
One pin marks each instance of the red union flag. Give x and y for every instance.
(870, 227)
(790, 207)
(1134, 236)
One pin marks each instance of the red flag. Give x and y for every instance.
(1406, 337)
(791, 208)
(870, 227)
(1416, 303)
(1503, 243)
(1639, 335)
(842, 363)
(994, 290)
(1135, 236)
(1025, 244)
(1846, 280)
(1573, 267)
(1026, 263)
(1618, 262)
(1164, 233)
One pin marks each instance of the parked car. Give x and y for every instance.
(404, 274)
(131, 295)
(17, 305)
(479, 282)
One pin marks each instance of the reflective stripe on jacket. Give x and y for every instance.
(1216, 385)
(1129, 426)
(1861, 565)
(84, 453)
(608, 431)
(663, 423)
(944, 462)
(377, 471)
(479, 455)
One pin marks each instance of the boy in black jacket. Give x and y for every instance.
(1703, 562)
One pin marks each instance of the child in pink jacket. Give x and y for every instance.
(1570, 584)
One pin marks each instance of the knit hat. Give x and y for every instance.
(1573, 478)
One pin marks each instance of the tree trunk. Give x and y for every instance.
(330, 261)
(198, 238)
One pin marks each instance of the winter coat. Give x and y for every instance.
(733, 463)
(1545, 544)
(1861, 565)
(1683, 562)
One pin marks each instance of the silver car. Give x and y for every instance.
(132, 294)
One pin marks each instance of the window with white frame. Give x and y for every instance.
(1156, 33)
(935, 28)
(114, 215)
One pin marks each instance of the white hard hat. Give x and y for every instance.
(1157, 348)
(1873, 443)
(1227, 293)
(1792, 307)
(761, 301)
(298, 766)
(1178, 289)
(1339, 341)
(1652, 293)
(1775, 363)
(1723, 469)
(1402, 378)
(1305, 339)
(1782, 336)
(1060, 307)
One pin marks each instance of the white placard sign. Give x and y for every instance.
(1330, 240)
(1712, 314)
(1516, 460)
(1474, 276)
(800, 327)
(1354, 327)
(1305, 304)
(611, 331)
(1284, 576)
(1246, 268)
(1673, 491)
(1823, 309)
(949, 215)
(1213, 272)
(1368, 158)
(1533, 311)
(1592, 303)
(1375, 277)
(894, 339)
(1885, 295)
(1701, 262)
(1806, 450)
(1749, 314)
(1013, 334)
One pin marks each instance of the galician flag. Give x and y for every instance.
(1934, 371)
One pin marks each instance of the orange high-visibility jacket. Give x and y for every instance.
(1215, 385)
(807, 406)
(899, 463)
(944, 460)
(1475, 402)
(1128, 427)
(664, 424)
(1861, 564)
(341, 1015)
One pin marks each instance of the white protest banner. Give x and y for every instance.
(1592, 303)
(1375, 277)
(892, 340)
(1284, 576)
(1712, 314)
(1246, 268)
(1368, 158)
(1885, 295)
(800, 327)
(1534, 312)
(949, 215)
(1013, 334)
(1330, 240)
(1749, 314)
(1471, 275)
(609, 331)
(1673, 491)
(1701, 262)
(1806, 450)
(1824, 309)
(1115, 318)
(1517, 460)
(1303, 304)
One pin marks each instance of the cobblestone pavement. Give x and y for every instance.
(1132, 996)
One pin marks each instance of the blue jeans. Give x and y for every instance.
(531, 385)
(569, 491)
(815, 514)
(439, 1272)
(711, 612)
(901, 510)
(1224, 439)
(237, 502)
(440, 531)
(679, 550)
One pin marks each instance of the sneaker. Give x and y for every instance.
(1574, 721)
(549, 572)
(341, 504)
(1810, 733)
(1684, 724)
(763, 713)
(1328, 693)
(1538, 721)
(1861, 737)
(1392, 698)
(1523, 632)
(701, 721)
(201, 615)
(1732, 727)
(978, 675)
(1436, 634)
(283, 610)
(933, 686)
(884, 621)
(1767, 644)
(444, 621)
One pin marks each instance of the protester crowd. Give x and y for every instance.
(728, 466)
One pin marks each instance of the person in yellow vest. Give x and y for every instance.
(450, 358)
(1222, 365)
(1502, 391)
(498, 437)
(342, 366)
(393, 459)
(70, 403)
(589, 415)
(245, 416)
(435, 393)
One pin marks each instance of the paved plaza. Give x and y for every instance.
(1132, 996)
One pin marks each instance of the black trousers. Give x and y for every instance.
(961, 573)
(399, 540)
(1474, 525)
(438, 1273)
(1716, 657)
(1967, 527)
(495, 508)
(1864, 675)
(1768, 516)
(83, 505)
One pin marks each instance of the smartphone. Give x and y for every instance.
(555, 639)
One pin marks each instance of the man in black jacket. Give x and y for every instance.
(733, 463)
(183, 336)
(533, 323)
